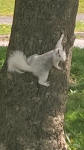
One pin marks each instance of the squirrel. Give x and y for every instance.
(39, 65)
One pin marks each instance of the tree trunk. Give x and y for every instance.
(31, 115)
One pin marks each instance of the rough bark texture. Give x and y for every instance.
(31, 115)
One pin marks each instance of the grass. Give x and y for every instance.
(74, 116)
(2, 55)
(6, 7)
(5, 29)
(81, 6)
(79, 27)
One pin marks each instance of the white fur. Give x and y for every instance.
(17, 62)
(39, 65)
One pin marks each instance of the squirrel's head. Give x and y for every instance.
(60, 54)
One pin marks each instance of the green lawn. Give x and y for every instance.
(81, 6)
(5, 29)
(2, 55)
(7, 7)
(74, 116)
(79, 27)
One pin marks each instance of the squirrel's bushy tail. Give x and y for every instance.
(17, 62)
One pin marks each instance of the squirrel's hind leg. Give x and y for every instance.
(43, 79)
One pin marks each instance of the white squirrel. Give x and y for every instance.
(39, 65)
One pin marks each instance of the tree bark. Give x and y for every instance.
(31, 115)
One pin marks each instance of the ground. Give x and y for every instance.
(74, 116)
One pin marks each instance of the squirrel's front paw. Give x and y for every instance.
(59, 68)
(44, 83)
(47, 84)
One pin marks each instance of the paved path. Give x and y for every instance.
(4, 41)
(79, 43)
(6, 19)
(80, 17)
(80, 35)
(9, 19)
